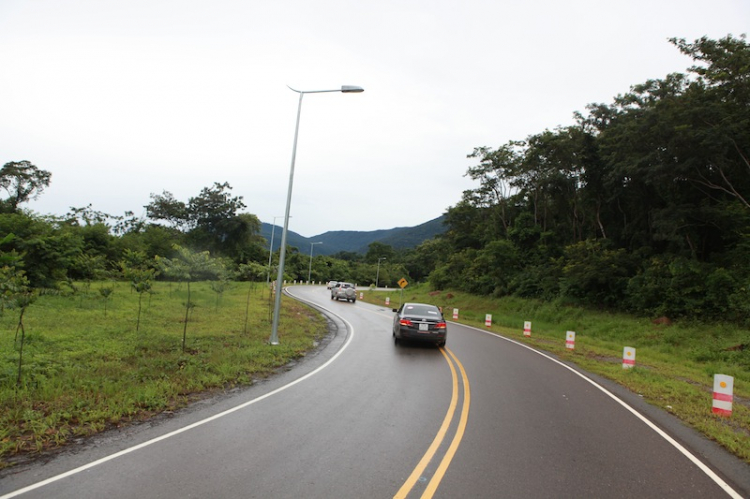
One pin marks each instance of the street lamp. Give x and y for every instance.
(282, 252)
(270, 251)
(309, 270)
(377, 275)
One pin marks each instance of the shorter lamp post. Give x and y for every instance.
(377, 274)
(309, 270)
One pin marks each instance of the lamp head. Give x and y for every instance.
(351, 89)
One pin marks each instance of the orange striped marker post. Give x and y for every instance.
(527, 328)
(570, 340)
(361, 295)
(628, 357)
(723, 388)
(455, 314)
(387, 300)
(488, 320)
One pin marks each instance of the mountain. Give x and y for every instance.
(356, 241)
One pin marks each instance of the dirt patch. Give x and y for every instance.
(603, 358)
(662, 321)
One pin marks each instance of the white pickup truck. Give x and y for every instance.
(344, 290)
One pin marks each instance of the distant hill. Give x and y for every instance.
(356, 241)
(412, 237)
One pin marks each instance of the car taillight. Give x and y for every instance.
(440, 325)
(405, 322)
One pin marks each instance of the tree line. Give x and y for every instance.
(49, 252)
(642, 205)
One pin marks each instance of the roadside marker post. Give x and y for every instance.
(455, 314)
(361, 295)
(527, 328)
(723, 388)
(570, 340)
(628, 357)
(387, 300)
(488, 320)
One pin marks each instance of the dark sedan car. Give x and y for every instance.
(421, 322)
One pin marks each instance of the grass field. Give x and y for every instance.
(675, 364)
(84, 372)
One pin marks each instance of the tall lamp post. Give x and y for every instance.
(309, 270)
(377, 274)
(282, 251)
(270, 251)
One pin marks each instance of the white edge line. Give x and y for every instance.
(708, 471)
(123, 452)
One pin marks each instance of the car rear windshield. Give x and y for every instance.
(423, 310)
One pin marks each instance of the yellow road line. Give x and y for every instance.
(409, 484)
(438, 476)
(432, 450)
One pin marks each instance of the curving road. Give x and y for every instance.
(364, 418)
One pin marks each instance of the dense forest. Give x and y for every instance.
(642, 205)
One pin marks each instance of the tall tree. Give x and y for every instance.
(22, 181)
(212, 222)
(212, 206)
(165, 207)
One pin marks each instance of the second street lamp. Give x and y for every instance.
(309, 270)
(282, 251)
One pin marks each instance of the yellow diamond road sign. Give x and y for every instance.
(403, 282)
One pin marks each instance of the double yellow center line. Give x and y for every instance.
(428, 457)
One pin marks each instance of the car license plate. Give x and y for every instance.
(424, 326)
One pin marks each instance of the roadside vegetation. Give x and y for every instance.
(85, 370)
(675, 363)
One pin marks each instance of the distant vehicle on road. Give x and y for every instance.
(420, 322)
(344, 290)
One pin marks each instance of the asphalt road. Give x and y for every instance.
(364, 418)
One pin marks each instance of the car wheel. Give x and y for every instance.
(354, 300)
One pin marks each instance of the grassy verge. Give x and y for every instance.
(84, 372)
(675, 364)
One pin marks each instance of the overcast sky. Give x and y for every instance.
(121, 99)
